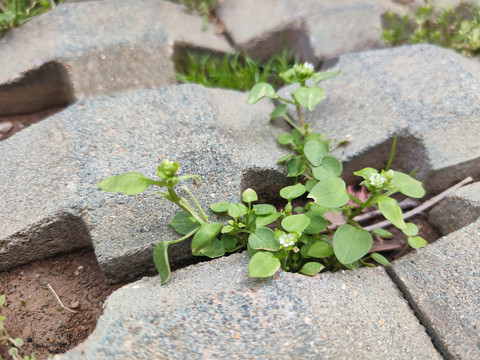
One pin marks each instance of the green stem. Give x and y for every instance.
(392, 153)
(362, 206)
(191, 233)
(300, 116)
(183, 204)
(187, 190)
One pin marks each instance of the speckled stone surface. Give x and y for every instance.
(214, 311)
(442, 283)
(426, 95)
(457, 210)
(213, 133)
(106, 47)
(319, 29)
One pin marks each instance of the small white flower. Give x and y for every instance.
(287, 240)
(377, 180)
(308, 66)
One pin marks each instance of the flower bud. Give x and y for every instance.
(304, 71)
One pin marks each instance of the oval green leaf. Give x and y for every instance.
(263, 264)
(350, 243)
(320, 249)
(308, 97)
(382, 232)
(330, 193)
(131, 183)
(280, 111)
(214, 250)
(183, 224)
(234, 211)
(315, 151)
(324, 75)
(416, 242)
(262, 221)
(263, 239)
(295, 167)
(407, 185)
(297, 222)
(220, 207)
(292, 192)
(311, 268)
(259, 91)
(204, 236)
(160, 259)
(391, 210)
(317, 223)
(330, 167)
(264, 209)
(380, 259)
(411, 230)
(229, 242)
(249, 195)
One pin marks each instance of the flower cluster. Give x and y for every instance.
(167, 170)
(304, 71)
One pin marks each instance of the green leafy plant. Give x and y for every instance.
(203, 7)
(16, 12)
(458, 28)
(13, 345)
(296, 239)
(233, 71)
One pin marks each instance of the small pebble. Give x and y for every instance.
(5, 127)
(75, 305)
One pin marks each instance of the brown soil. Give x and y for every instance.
(34, 314)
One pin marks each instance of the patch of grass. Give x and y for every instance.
(14, 13)
(203, 7)
(234, 71)
(455, 28)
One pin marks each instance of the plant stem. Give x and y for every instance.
(191, 233)
(202, 213)
(300, 116)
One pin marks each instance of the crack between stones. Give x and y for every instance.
(422, 318)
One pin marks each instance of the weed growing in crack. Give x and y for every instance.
(233, 71)
(458, 29)
(14, 13)
(295, 239)
(203, 7)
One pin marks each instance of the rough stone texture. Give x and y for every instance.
(59, 161)
(457, 210)
(319, 29)
(98, 47)
(214, 311)
(426, 95)
(442, 283)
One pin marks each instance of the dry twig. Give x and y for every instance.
(58, 299)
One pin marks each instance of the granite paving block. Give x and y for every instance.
(213, 133)
(96, 48)
(318, 29)
(214, 311)
(442, 283)
(426, 95)
(457, 210)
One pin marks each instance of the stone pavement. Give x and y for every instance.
(50, 204)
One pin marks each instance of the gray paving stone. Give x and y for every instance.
(57, 163)
(426, 95)
(96, 48)
(457, 210)
(442, 283)
(319, 29)
(214, 311)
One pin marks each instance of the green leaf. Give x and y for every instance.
(264, 209)
(311, 268)
(324, 75)
(330, 167)
(183, 224)
(285, 139)
(366, 172)
(204, 236)
(295, 167)
(289, 76)
(317, 223)
(308, 97)
(392, 211)
(297, 222)
(251, 251)
(249, 195)
(229, 242)
(263, 239)
(320, 249)
(280, 111)
(381, 232)
(407, 185)
(260, 91)
(262, 221)
(263, 264)
(380, 259)
(160, 259)
(330, 193)
(309, 184)
(234, 211)
(220, 207)
(315, 151)
(351, 243)
(131, 183)
(19, 342)
(214, 250)
(411, 230)
(285, 158)
(416, 242)
(317, 209)
(292, 192)
(227, 229)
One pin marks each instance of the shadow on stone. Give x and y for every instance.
(45, 87)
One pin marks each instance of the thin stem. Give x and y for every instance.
(300, 116)
(183, 204)
(187, 190)
(58, 299)
(191, 233)
(286, 100)
(362, 206)
(392, 153)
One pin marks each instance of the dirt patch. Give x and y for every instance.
(34, 314)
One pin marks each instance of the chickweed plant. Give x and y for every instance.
(14, 13)
(294, 239)
(233, 71)
(457, 29)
